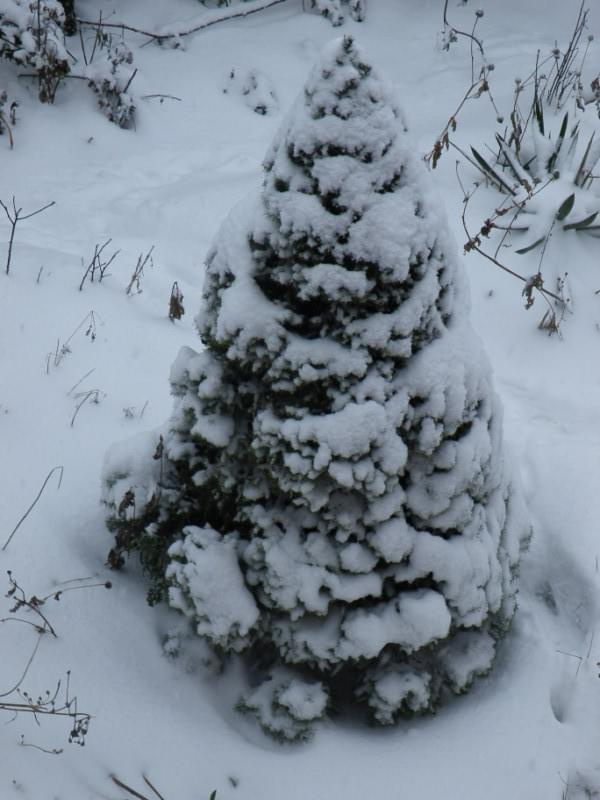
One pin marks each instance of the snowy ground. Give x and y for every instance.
(530, 730)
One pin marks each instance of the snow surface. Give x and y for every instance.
(530, 729)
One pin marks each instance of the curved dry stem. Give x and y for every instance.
(474, 243)
(39, 494)
(22, 678)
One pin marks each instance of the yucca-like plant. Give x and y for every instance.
(547, 179)
(544, 160)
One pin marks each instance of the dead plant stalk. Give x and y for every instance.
(14, 216)
(474, 243)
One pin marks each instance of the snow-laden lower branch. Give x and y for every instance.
(186, 29)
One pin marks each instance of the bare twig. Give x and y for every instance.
(564, 70)
(98, 36)
(590, 647)
(154, 789)
(473, 40)
(4, 122)
(56, 594)
(47, 706)
(39, 494)
(55, 751)
(131, 412)
(474, 243)
(133, 792)
(127, 788)
(93, 395)
(33, 604)
(62, 350)
(161, 96)
(85, 60)
(573, 655)
(476, 90)
(15, 688)
(553, 317)
(81, 380)
(97, 267)
(130, 81)
(13, 217)
(90, 317)
(58, 703)
(234, 13)
(138, 272)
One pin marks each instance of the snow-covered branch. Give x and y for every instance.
(206, 20)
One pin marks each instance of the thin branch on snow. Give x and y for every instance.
(93, 395)
(23, 674)
(208, 21)
(13, 217)
(474, 243)
(471, 36)
(133, 792)
(161, 96)
(55, 751)
(39, 494)
(97, 267)
(5, 123)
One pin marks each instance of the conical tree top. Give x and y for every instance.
(352, 228)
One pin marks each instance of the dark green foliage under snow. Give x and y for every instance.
(330, 492)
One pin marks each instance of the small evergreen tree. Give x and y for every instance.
(330, 491)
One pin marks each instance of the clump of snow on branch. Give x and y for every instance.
(286, 706)
(207, 586)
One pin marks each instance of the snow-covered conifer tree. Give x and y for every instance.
(331, 490)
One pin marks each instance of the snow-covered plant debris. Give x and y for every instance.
(109, 72)
(8, 117)
(254, 88)
(333, 10)
(331, 487)
(32, 35)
